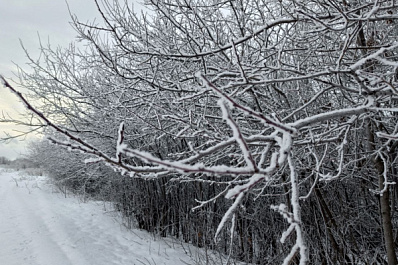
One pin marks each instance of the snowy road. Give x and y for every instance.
(41, 227)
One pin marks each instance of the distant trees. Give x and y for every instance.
(4, 160)
(66, 169)
(285, 108)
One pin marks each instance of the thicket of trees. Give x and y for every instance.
(274, 120)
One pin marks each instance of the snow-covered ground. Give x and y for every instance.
(39, 226)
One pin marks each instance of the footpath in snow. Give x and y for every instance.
(39, 226)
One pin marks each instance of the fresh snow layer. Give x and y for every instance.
(39, 226)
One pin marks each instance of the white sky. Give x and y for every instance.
(25, 20)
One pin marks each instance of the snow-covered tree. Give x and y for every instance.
(268, 98)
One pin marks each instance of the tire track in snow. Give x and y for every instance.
(40, 227)
(25, 236)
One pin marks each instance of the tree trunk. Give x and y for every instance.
(384, 201)
(386, 215)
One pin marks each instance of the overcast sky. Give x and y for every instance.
(24, 20)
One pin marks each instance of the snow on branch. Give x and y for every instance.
(385, 176)
(387, 136)
(253, 138)
(256, 178)
(294, 219)
(120, 144)
(81, 144)
(203, 203)
(332, 115)
(235, 42)
(273, 123)
(276, 161)
(228, 214)
(376, 55)
(179, 166)
(237, 135)
(92, 160)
